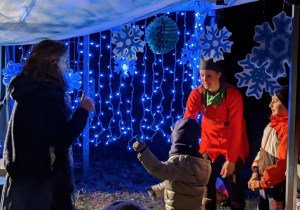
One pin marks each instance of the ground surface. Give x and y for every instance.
(113, 180)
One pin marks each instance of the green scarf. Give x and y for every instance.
(216, 99)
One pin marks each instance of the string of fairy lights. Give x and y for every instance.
(144, 95)
(145, 104)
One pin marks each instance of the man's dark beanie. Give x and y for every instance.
(185, 138)
(283, 95)
(210, 65)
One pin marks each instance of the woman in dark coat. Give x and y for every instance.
(40, 133)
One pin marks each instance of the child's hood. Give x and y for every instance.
(185, 137)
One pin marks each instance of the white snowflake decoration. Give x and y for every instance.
(215, 43)
(10, 71)
(275, 45)
(124, 67)
(190, 53)
(256, 79)
(128, 42)
(73, 80)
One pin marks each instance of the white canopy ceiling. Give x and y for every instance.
(30, 21)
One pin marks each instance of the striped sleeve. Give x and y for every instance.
(275, 174)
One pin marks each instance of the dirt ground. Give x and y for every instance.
(114, 180)
(98, 200)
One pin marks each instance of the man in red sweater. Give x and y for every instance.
(223, 137)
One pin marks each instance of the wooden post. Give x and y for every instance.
(86, 137)
(1, 67)
(5, 111)
(294, 116)
(3, 123)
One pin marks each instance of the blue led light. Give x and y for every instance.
(145, 104)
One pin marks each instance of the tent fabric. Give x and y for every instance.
(30, 21)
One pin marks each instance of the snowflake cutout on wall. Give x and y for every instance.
(10, 71)
(73, 80)
(275, 45)
(124, 67)
(128, 42)
(190, 53)
(256, 79)
(215, 43)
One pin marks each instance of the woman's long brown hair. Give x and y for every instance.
(42, 63)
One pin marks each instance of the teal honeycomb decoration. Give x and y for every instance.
(162, 35)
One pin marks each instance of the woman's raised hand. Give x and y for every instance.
(87, 104)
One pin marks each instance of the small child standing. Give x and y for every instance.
(269, 165)
(185, 173)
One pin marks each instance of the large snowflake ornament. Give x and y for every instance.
(124, 67)
(190, 54)
(256, 79)
(73, 80)
(10, 71)
(215, 43)
(275, 45)
(128, 42)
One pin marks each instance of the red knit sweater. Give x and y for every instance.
(223, 126)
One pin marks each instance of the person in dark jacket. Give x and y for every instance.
(40, 133)
(185, 173)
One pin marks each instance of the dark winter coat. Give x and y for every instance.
(36, 150)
